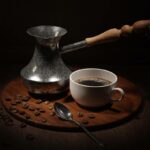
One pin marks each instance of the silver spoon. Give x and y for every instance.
(64, 113)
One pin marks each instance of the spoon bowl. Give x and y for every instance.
(64, 113)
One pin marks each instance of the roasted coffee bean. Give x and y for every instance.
(31, 108)
(14, 111)
(37, 108)
(42, 110)
(80, 114)
(8, 98)
(21, 112)
(12, 108)
(26, 98)
(52, 113)
(84, 121)
(25, 105)
(13, 103)
(18, 101)
(46, 102)
(37, 113)
(91, 116)
(43, 119)
(18, 96)
(39, 101)
(23, 125)
(27, 116)
(50, 107)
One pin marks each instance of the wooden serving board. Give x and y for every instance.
(14, 98)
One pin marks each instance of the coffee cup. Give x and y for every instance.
(94, 87)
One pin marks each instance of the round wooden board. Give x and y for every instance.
(12, 99)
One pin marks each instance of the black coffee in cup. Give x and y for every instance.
(93, 81)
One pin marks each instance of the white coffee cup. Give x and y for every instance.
(91, 95)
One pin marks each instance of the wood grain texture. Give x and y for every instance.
(103, 116)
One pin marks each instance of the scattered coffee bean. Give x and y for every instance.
(91, 116)
(43, 119)
(31, 108)
(12, 108)
(8, 98)
(14, 111)
(84, 121)
(37, 113)
(80, 114)
(30, 137)
(46, 102)
(50, 107)
(52, 113)
(18, 96)
(18, 101)
(25, 105)
(41, 110)
(23, 125)
(39, 101)
(37, 108)
(27, 116)
(13, 103)
(21, 112)
(26, 98)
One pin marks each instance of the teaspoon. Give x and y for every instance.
(64, 113)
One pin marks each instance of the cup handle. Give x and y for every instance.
(122, 93)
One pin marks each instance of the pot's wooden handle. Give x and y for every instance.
(114, 34)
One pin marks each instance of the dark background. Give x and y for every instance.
(82, 19)
(128, 57)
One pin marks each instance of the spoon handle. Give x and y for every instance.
(99, 143)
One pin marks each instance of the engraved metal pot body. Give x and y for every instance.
(46, 72)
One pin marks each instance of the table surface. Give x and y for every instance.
(131, 134)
